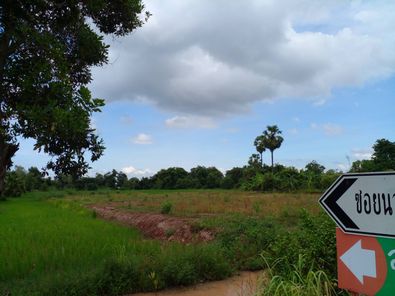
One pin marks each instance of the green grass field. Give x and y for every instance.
(50, 244)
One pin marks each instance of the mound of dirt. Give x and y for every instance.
(155, 226)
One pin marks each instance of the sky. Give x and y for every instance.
(201, 79)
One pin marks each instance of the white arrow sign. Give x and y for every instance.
(363, 203)
(360, 262)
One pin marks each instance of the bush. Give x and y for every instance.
(314, 239)
(246, 238)
(14, 185)
(166, 207)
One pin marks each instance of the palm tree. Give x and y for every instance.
(259, 144)
(272, 139)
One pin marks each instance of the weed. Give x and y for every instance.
(169, 232)
(257, 207)
(298, 282)
(166, 207)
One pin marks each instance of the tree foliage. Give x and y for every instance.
(47, 49)
(383, 158)
(272, 139)
(259, 144)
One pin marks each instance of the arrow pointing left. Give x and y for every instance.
(360, 262)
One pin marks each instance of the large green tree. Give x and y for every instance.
(272, 139)
(384, 155)
(47, 50)
(383, 158)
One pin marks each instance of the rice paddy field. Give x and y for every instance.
(56, 243)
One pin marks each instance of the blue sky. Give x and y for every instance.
(182, 94)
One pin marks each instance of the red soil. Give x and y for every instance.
(155, 226)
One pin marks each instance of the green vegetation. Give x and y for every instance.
(383, 158)
(52, 245)
(59, 248)
(166, 208)
(298, 282)
(47, 50)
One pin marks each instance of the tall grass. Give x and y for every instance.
(51, 245)
(47, 249)
(298, 282)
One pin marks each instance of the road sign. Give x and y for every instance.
(362, 203)
(365, 264)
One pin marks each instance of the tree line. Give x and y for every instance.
(253, 176)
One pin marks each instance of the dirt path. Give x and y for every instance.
(156, 226)
(244, 284)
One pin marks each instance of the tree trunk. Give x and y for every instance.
(261, 160)
(272, 160)
(7, 151)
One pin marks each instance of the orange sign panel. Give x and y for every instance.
(361, 263)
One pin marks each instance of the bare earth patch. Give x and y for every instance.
(153, 225)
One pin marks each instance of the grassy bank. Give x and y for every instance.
(51, 245)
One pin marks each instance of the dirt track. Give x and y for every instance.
(155, 226)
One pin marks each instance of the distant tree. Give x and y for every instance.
(328, 178)
(204, 177)
(272, 139)
(259, 144)
(86, 183)
(289, 179)
(313, 175)
(365, 165)
(110, 179)
(383, 158)
(314, 168)
(99, 180)
(122, 180)
(133, 183)
(168, 178)
(15, 184)
(145, 183)
(47, 50)
(384, 155)
(214, 178)
(34, 179)
(63, 181)
(233, 178)
(255, 161)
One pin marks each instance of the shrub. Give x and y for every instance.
(166, 207)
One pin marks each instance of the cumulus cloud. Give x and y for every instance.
(215, 58)
(143, 139)
(362, 153)
(132, 171)
(190, 122)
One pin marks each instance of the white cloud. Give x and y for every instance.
(360, 154)
(343, 167)
(293, 131)
(126, 119)
(190, 122)
(329, 129)
(142, 139)
(207, 65)
(132, 171)
(332, 129)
